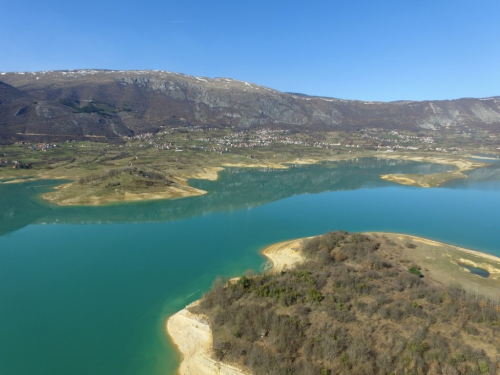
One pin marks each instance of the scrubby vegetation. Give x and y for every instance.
(352, 308)
(149, 177)
(104, 109)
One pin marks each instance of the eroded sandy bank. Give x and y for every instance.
(284, 255)
(192, 335)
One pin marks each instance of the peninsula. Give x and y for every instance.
(349, 302)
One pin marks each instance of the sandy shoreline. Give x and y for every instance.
(256, 165)
(192, 336)
(284, 255)
(191, 333)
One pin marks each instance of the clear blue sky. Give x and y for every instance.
(368, 50)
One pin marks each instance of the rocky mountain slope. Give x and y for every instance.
(105, 104)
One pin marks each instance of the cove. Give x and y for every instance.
(86, 290)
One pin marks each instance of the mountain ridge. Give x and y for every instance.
(111, 104)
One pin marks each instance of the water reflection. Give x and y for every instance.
(487, 178)
(236, 188)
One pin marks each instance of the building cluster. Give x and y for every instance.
(43, 146)
(182, 138)
(220, 144)
(395, 137)
(16, 164)
(399, 147)
(220, 141)
(3, 163)
(38, 146)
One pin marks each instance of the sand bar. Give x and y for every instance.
(256, 165)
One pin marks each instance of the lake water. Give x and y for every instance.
(86, 290)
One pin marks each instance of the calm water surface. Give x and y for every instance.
(86, 290)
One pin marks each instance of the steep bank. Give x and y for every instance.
(193, 338)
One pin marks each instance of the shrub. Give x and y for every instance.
(415, 271)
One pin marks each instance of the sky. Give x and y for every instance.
(367, 50)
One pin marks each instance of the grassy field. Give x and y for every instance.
(444, 264)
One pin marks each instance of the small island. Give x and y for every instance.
(433, 179)
(349, 303)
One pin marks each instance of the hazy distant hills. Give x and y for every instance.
(104, 104)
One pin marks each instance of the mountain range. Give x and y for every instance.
(109, 105)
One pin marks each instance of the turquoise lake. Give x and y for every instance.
(87, 290)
